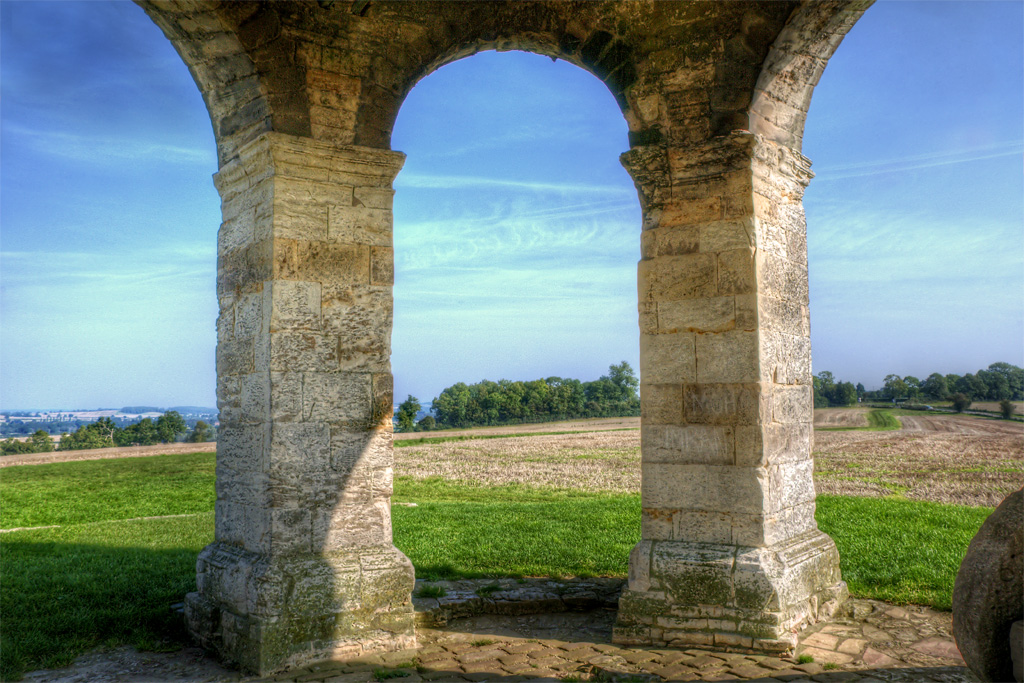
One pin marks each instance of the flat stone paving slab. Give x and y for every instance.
(870, 641)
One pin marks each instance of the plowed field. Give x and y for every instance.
(960, 424)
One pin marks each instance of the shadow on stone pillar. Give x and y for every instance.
(303, 567)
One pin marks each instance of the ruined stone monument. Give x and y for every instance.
(302, 97)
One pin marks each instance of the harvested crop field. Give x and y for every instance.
(937, 457)
(941, 458)
(830, 418)
(993, 406)
(591, 424)
(595, 461)
(943, 466)
(960, 424)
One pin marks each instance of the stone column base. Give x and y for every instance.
(266, 614)
(684, 594)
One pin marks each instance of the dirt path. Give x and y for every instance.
(105, 453)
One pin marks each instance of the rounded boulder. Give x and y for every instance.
(988, 595)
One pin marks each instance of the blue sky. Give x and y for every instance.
(516, 231)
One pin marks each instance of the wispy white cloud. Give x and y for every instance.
(847, 242)
(494, 213)
(100, 149)
(143, 274)
(578, 130)
(513, 242)
(920, 161)
(450, 182)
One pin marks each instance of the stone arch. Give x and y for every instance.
(797, 59)
(454, 31)
(211, 48)
(303, 96)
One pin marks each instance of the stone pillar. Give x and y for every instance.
(730, 554)
(303, 567)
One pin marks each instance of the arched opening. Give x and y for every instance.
(516, 228)
(516, 242)
(925, 211)
(916, 264)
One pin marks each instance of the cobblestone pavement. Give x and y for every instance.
(875, 641)
(872, 641)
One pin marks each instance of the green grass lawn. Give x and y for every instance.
(901, 551)
(100, 490)
(112, 581)
(463, 531)
(69, 590)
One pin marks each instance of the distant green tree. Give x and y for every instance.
(169, 426)
(142, 433)
(860, 390)
(406, 414)
(201, 433)
(997, 387)
(961, 402)
(106, 427)
(567, 397)
(450, 407)
(102, 433)
(14, 446)
(41, 442)
(826, 380)
(972, 386)
(1014, 378)
(845, 394)
(829, 392)
(913, 386)
(820, 399)
(623, 377)
(1006, 408)
(894, 387)
(824, 385)
(426, 424)
(505, 401)
(935, 387)
(614, 394)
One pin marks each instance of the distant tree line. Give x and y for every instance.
(510, 402)
(1000, 381)
(16, 427)
(39, 442)
(105, 433)
(828, 392)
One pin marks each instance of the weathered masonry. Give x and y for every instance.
(303, 96)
